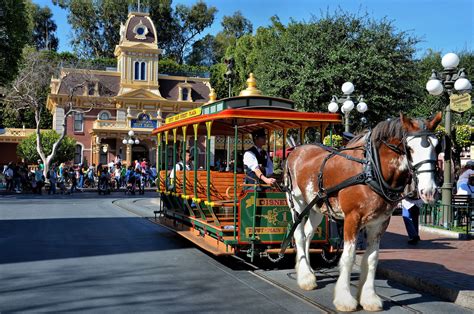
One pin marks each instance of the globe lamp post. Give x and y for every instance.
(450, 81)
(347, 103)
(129, 141)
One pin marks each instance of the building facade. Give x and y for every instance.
(134, 96)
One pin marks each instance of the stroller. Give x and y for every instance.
(131, 184)
(104, 185)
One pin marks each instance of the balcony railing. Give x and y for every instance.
(17, 132)
(110, 124)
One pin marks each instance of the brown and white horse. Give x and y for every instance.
(405, 148)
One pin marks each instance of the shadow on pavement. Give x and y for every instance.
(45, 239)
(397, 241)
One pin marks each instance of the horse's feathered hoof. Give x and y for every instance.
(347, 305)
(375, 304)
(307, 283)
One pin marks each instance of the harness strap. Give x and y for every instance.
(357, 179)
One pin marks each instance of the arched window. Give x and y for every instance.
(104, 115)
(140, 71)
(136, 75)
(78, 155)
(143, 71)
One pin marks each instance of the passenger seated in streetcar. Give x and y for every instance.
(180, 167)
(257, 164)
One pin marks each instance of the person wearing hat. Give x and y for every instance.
(257, 164)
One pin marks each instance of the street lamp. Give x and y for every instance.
(129, 141)
(450, 80)
(347, 103)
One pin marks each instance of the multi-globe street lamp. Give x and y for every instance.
(450, 80)
(129, 141)
(347, 103)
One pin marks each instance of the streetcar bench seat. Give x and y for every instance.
(221, 186)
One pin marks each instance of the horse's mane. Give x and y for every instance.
(392, 128)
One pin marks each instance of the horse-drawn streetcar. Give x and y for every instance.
(216, 206)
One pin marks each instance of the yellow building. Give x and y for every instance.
(135, 97)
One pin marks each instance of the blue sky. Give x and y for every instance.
(442, 25)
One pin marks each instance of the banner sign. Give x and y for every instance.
(184, 115)
(143, 122)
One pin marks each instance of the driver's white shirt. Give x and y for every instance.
(250, 160)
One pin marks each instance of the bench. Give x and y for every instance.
(463, 209)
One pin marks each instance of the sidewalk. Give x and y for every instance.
(438, 264)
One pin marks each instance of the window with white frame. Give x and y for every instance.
(78, 122)
(185, 92)
(78, 154)
(139, 71)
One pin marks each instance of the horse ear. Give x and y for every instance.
(435, 121)
(406, 122)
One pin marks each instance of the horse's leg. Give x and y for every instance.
(304, 274)
(313, 222)
(343, 299)
(366, 295)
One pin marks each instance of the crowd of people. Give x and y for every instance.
(64, 178)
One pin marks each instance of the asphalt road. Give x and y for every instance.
(98, 254)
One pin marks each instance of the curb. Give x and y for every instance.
(463, 298)
(446, 233)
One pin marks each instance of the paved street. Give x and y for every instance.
(84, 253)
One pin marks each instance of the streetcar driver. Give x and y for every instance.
(257, 164)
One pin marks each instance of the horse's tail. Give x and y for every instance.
(288, 184)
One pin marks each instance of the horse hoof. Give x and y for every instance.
(307, 283)
(374, 306)
(347, 305)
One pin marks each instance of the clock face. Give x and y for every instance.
(140, 31)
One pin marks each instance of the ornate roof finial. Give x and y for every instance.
(212, 95)
(251, 89)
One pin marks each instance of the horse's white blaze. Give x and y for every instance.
(426, 180)
(343, 299)
(403, 163)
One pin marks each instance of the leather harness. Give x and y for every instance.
(371, 175)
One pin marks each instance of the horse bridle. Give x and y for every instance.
(424, 134)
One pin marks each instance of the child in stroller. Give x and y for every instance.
(104, 181)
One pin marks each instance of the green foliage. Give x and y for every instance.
(463, 135)
(95, 24)
(190, 22)
(27, 148)
(43, 24)
(336, 140)
(169, 66)
(15, 32)
(277, 166)
(203, 52)
(308, 63)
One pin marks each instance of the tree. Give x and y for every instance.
(65, 152)
(44, 27)
(308, 62)
(27, 90)
(15, 32)
(191, 21)
(203, 52)
(96, 24)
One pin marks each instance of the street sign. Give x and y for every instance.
(460, 103)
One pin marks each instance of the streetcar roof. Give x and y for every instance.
(249, 114)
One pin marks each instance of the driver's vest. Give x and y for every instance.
(262, 158)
